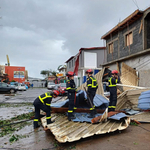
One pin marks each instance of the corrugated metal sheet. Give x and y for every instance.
(69, 131)
(142, 117)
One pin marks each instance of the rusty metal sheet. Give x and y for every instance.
(69, 131)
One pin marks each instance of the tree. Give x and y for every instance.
(47, 73)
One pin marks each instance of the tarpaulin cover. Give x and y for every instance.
(83, 117)
(131, 111)
(99, 101)
(144, 100)
(118, 116)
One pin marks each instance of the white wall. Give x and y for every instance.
(90, 60)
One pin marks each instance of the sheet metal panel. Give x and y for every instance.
(69, 131)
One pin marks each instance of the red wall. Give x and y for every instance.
(15, 73)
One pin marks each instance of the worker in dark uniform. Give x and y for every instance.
(43, 102)
(71, 88)
(113, 80)
(92, 87)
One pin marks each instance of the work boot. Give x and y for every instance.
(35, 124)
(92, 114)
(71, 116)
(49, 121)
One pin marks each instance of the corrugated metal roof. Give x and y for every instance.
(93, 48)
(136, 14)
(69, 131)
(142, 117)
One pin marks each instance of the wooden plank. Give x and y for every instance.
(137, 87)
(65, 109)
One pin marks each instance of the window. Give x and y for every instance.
(110, 48)
(129, 39)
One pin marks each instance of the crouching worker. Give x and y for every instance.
(113, 80)
(43, 102)
(71, 88)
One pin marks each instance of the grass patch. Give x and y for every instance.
(9, 129)
(15, 105)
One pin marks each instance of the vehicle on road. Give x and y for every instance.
(62, 89)
(14, 84)
(50, 85)
(6, 88)
(21, 87)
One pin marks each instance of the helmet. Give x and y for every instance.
(114, 72)
(56, 92)
(89, 71)
(70, 73)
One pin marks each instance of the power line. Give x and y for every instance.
(135, 2)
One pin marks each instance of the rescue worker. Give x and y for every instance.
(71, 88)
(113, 80)
(43, 102)
(92, 87)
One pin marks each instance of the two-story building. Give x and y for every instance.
(129, 42)
(89, 58)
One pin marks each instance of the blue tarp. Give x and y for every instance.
(118, 116)
(99, 101)
(83, 117)
(144, 100)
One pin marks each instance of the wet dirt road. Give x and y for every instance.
(133, 138)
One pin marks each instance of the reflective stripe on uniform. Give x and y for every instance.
(70, 111)
(48, 104)
(36, 120)
(111, 106)
(110, 83)
(93, 80)
(116, 80)
(89, 84)
(48, 117)
(48, 95)
(41, 99)
(69, 88)
(91, 108)
(75, 108)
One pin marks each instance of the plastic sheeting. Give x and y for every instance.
(144, 100)
(118, 116)
(83, 117)
(99, 101)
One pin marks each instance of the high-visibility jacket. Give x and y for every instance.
(46, 99)
(112, 81)
(70, 86)
(92, 84)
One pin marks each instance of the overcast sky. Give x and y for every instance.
(43, 34)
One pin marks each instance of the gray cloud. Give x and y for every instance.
(44, 34)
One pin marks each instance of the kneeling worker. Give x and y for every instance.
(43, 102)
(71, 88)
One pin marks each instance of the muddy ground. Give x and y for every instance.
(24, 137)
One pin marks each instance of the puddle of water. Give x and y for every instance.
(9, 112)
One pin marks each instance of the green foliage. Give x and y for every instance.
(133, 123)
(14, 138)
(9, 129)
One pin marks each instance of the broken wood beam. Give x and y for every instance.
(137, 87)
(96, 119)
(84, 110)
